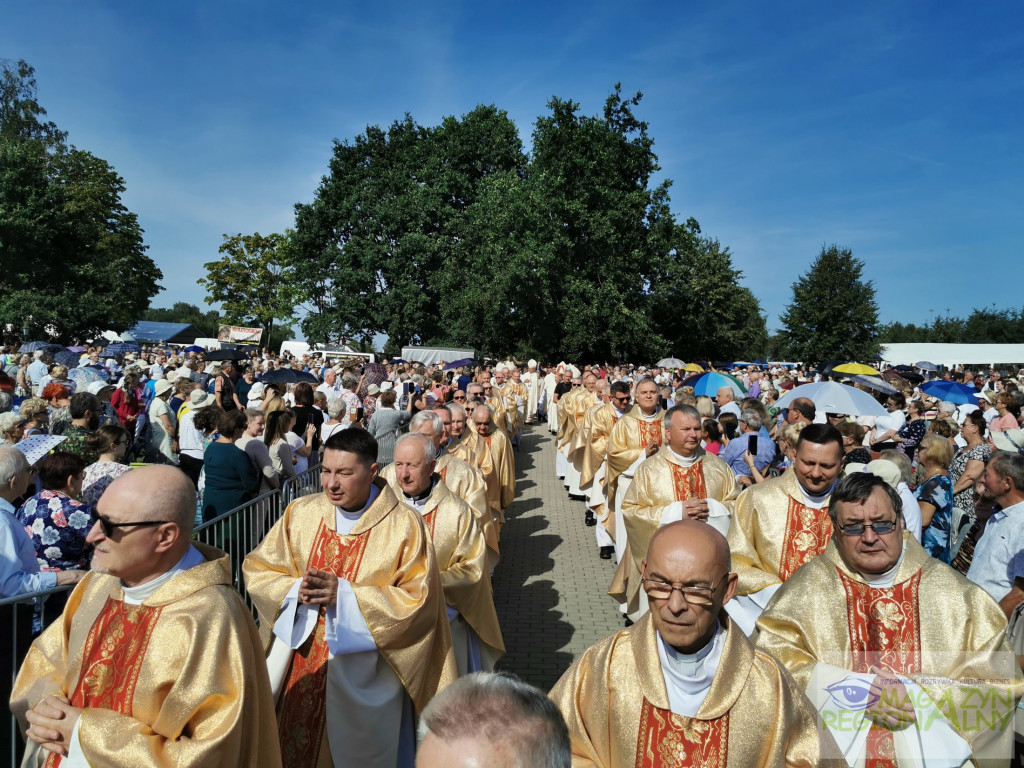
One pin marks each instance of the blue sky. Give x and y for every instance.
(893, 129)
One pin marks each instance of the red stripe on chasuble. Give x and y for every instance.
(688, 482)
(112, 659)
(303, 710)
(650, 432)
(430, 520)
(667, 740)
(885, 630)
(808, 532)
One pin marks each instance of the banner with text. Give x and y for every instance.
(236, 335)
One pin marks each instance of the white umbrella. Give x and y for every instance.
(830, 397)
(671, 362)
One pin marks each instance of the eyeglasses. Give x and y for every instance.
(458, 397)
(108, 526)
(857, 529)
(662, 590)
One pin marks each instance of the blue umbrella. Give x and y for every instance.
(194, 348)
(709, 384)
(924, 365)
(33, 346)
(70, 359)
(124, 348)
(950, 391)
(83, 377)
(288, 376)
(459, 364)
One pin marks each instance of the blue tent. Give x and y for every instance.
(169, 333)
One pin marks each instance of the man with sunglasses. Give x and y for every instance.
(156, 655)
(684, 686)
(906, 659)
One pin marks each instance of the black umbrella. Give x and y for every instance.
(288, 376)
(227, 354)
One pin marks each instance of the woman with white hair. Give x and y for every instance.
(12, 428)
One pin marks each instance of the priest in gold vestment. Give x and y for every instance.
(683, 688)
(634, 438)
(782, 523)
(597, 425)
(464, 481)
(156, 660)
(585, 399)
(906, 659)
(566, 430)
(350, 601)
(461, 553)
(681, 481)
(499, 449)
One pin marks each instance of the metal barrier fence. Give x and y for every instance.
(237, 532)
(17, 617)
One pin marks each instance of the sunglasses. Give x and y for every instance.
(459, 397)
(108, 526)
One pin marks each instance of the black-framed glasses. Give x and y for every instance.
(108, 526)
(662, 590)
(857, 529)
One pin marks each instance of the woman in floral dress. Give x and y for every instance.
(57, 521)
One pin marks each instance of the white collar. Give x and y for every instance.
(888, 579)
(686, 461)
(688, 676)
(349, 515)
(136, 595)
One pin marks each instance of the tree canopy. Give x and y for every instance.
(72, 258)
(833, 314)
(454, 235)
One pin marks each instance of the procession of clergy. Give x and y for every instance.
(795, 623)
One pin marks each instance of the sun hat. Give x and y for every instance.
(162, 387)
(199, 399)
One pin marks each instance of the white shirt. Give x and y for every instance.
(999, 553)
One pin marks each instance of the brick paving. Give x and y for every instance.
(550, 586)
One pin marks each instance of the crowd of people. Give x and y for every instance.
(815, 554)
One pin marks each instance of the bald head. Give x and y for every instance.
(159, 493)
(694, 537)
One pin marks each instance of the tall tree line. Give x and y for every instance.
(72, 258)
(454, 234)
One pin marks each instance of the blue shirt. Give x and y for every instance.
(19, 569)
(464, 382)
(733, 453)
(999, 554)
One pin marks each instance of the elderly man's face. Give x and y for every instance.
(869, 552)
(128, 552)
(94, 357)
(482, 422)
(458, 425)
(428, 429)
(567, 377)
(817, 466)
(686, 623)
(446, 418)
(469, 751)
(589, 382)
(684, 433)
(329, 376)
(724, 396)
(413, 469)
(475, 391)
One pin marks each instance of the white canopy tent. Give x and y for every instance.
(953, 354)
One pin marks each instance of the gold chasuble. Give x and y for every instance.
(773, 533)
(389, 561)
(501, 417)
(661, 481)
(466, 483)
(931, 627)
(177, 680)
(597, 426)
(500, 449)
(465, 574)
(580, 406)
(567, 418)
(475, 452)
(616, 705)
(627, 441)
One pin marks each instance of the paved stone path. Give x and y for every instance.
(550, 588)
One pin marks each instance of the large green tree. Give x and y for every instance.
(72, 258)
(699, 305)
(252, 280)
(381, 234)
(833, 313)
